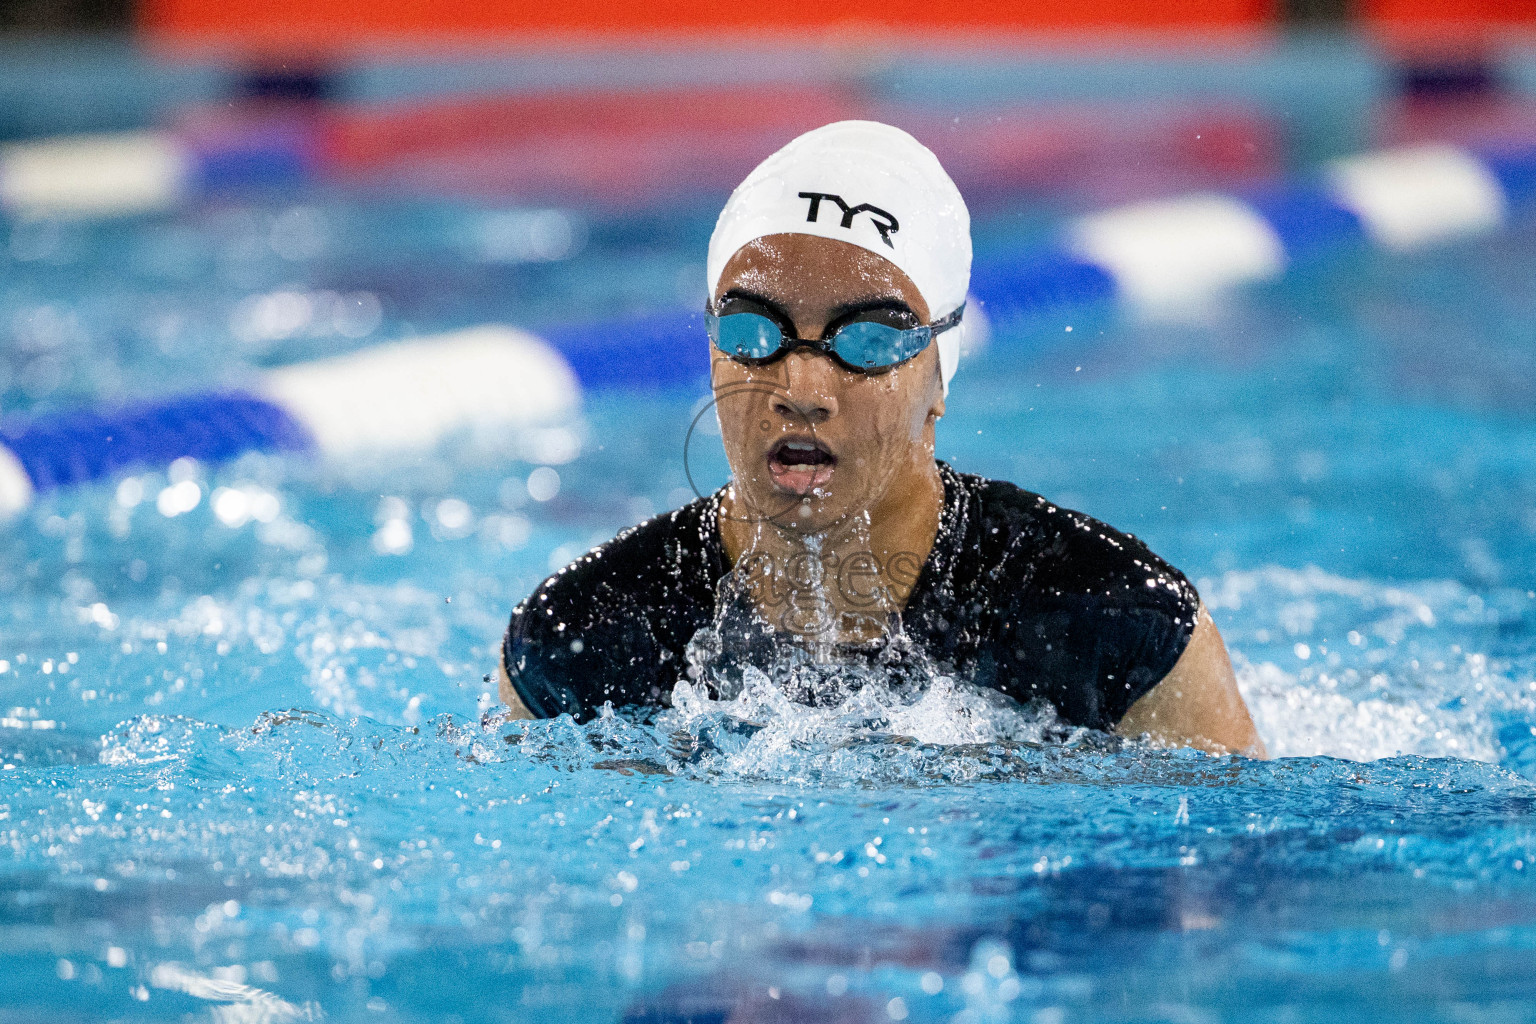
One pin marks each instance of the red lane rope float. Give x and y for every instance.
(1477, 120)
(1099, 152)
(619, 149)
(606, 147)
(637, 148)
(356, 139)
(625, 150)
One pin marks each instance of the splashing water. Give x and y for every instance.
(1350, 669)
(756, 701)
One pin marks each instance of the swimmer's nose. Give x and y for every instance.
(810, 382)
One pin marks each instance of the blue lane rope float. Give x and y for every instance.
(1145, 257)
(76, 447)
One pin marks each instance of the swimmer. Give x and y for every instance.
(837, 275)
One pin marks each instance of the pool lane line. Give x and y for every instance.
(1180, 253)
(219, 151)
(612, 149)
(1145, 257)
(399, 396)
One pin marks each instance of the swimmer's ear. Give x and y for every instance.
(936, 409)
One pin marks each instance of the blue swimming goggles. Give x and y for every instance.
(864, 346)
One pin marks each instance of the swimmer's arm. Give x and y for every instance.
(1197, 704)
(509, 697)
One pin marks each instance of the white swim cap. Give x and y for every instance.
(870, 184)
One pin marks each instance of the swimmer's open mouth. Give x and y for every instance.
(800, 464)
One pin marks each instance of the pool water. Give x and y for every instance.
(252, 769)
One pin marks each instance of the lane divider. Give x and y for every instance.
(614, 149)
(396, 397)
(611, 143)
(1146, 257)
(1180, 253)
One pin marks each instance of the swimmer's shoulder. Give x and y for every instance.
(615, 623)
(1067, 552)
(651, 562)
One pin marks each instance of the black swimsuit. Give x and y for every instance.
(1017, 594)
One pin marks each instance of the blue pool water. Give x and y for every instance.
(252, 772)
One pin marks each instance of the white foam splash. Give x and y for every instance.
(1304, 719)
(1363, 670)
(151, 739)
(945, 712)
(239, 1003)
(773, 707)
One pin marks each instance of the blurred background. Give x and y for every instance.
(1259, 281)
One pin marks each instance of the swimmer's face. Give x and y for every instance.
(810, 443)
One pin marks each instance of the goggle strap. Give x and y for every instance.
(828, 346)
(948, 320)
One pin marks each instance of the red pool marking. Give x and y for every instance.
(283, 26)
